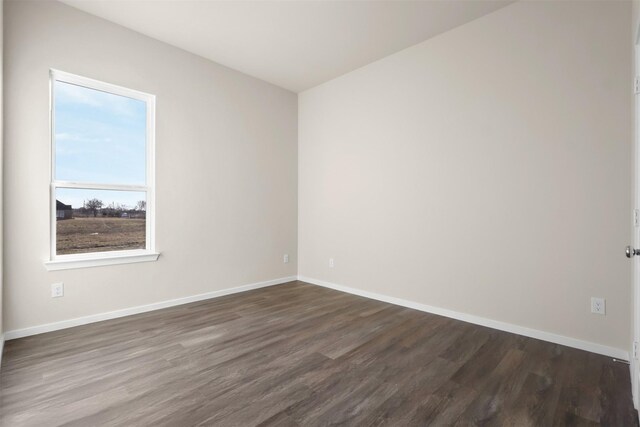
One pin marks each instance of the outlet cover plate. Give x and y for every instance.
(57, 290)
(598, 305)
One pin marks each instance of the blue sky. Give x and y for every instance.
(100, 138)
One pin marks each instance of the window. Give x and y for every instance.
(102, 173)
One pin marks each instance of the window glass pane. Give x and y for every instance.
(99, 220)
(99, 137)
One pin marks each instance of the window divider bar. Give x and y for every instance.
(93, 186)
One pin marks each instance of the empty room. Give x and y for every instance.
(319, 212)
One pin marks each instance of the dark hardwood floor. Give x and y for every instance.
(298, 354)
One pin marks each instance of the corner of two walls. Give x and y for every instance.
(441, 174)
(1, 175)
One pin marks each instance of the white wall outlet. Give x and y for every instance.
(598, 305)
(285, 259)
(331, 263)
(57, 290)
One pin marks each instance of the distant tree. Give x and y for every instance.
(141, 205)
(93, 205)
(113, 209)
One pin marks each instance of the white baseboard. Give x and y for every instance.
(1, 348)
(49, 327)
(490, 323)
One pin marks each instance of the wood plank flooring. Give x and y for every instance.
(301, 355)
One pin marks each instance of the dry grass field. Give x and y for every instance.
(100, 234)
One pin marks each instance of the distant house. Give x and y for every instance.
(63, 211)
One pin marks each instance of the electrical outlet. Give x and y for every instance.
(286, 258)
(331, 263)
(598, 305)
(57, 290)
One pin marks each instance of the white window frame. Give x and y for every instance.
(94, 259)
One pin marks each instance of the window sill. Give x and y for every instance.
(68, 262)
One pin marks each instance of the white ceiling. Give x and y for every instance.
(292, 44)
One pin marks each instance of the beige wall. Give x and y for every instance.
(226, 168)
(486, 171)
(1, 162)
(635, 19)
